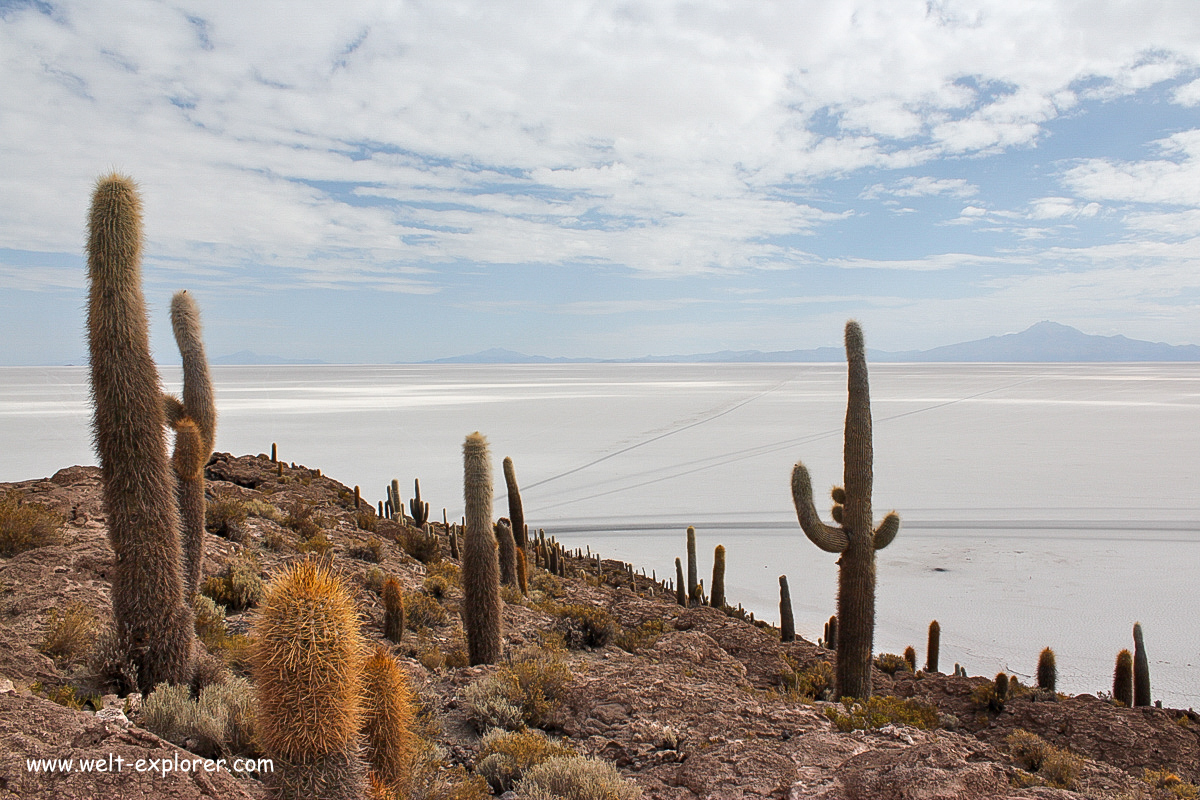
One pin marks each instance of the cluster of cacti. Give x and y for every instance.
(480, 562)
(787, 624)
(308, 672)
(1047, 671)
(856, 539)
(418, 509)
(153, 618)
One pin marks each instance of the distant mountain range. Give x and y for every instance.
(1043, 342)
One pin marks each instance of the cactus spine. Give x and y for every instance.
(153, 621)
(855, 538)
(393, 611)
(934, 644)
(1123, 678)
(693, 576)
(516, 511)
(195, 424)
(1047, 671)
(1141, 669)
(389, 713)
(787, 624)
(507, 550)
(718, 580)
(480, 563)
(308, 667)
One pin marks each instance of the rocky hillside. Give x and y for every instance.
(684, 702)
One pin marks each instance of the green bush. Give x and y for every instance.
(877, 712)
(24, 526)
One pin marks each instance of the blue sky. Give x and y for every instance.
(392, 181)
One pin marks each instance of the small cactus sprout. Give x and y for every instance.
(856, 538)
(420, 510)
(507, 552)
(1141, 668)
(718, 579)
(307, 663)
(480, 562)
(152, 615)
(910, 655)
(931, 650)
(516, 512)
(393, 611)
(389, 717)
(787, 624)
(693, 576)
(1047, 671)
(1123, 678)
(680, 593)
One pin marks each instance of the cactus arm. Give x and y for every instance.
(887, 530)
(173, 409)
(829, 539)
(197, 384)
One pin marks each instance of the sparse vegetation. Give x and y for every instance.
(877, 712)
(1053, 765)
(238, 586)
(70, 633)
(576, 778)
(216, 725)
(640, 637)
(422, 611)
(224, 516)
(524, 691)
(505, 756)
(24, 526)
(892, 663)
(1165, 779)
(814, 682)
(585, 626)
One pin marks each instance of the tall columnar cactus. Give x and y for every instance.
(308, 658)
(680, 592)
(1123, 678)
(389, 717)
(787, 624)
(480, 562)
(516, 511)
(507, 551)
(856, 538)
(717, 600)
(693, 576)
(932, 647)
(195, 424)
(420, 510)
(153, 619)
(393, 611)
(1047, 671)
(1141, 668)
(522, 572)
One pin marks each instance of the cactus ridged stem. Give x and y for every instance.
(680, 592)
(718, 579)
(1141, 669)
(1123, 678)
(480, 561)
(693, 576)
(153, 620)
(787, 624)
(516, 511)
(933, 646)
(507, 552)
(1047, 671)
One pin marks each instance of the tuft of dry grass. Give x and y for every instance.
(24, 526)
(70, 633)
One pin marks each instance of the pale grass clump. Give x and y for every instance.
(576, 778)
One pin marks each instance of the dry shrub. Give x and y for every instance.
(814, 682)
(365, 520)
(301, 518)
(24, 526)
(422, 611)
(877, 712)
(447, 570)
(223, 516)
(217, 725)
(1057, 767)
(640, 637)
(422, 546)
(371, 552)
(527, 690)
(210, 622)
(586, 626)
(318, 544)
(891, 663)
(505, 756)
(238, 586)
(1165, 779)
(374, 579)
(70, 633)
(576, 778)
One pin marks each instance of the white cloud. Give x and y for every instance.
(1188, 94)
(1173, 181)
(922, 186)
